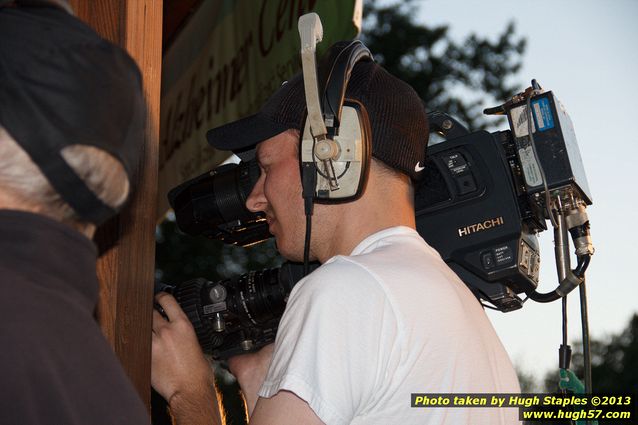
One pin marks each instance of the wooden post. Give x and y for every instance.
(126, 270)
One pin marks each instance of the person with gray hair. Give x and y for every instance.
(24, 187)
(71, 121)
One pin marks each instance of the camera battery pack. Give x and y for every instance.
(555, 150)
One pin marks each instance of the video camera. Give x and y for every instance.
(481, 202)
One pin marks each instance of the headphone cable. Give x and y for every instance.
(308, 182)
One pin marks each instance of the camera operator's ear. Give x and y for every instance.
(341, 158)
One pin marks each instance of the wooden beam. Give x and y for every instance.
(126, 270)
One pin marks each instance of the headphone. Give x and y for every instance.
(335, 146)
(336, 142)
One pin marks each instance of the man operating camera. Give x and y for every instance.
(383, 317)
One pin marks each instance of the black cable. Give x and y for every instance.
(584, 319)
(308, 183)
(564, 308)
(306, 249)
(564, 351)
(581, 267)
(543, 298)
(579, 272)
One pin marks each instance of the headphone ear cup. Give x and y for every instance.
(353, 162)
(355, 138)
(334, 166)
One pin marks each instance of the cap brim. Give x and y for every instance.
(244, 134)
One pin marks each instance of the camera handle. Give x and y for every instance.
(446, 126)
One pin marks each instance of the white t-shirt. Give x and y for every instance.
(363, 332)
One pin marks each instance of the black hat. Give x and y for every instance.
(397, 117)
(61, 84)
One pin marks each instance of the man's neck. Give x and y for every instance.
(354, 222)
(355, 232)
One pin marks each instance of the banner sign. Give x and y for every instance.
(224, 64)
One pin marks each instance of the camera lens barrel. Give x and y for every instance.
(232, 312)
(231, 186)
(260, 296)
(241, 304)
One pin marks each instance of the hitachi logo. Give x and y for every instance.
(478, 227)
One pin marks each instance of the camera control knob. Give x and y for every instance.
(217, 293)
(188, 296)
(247, 344)
(219, 324)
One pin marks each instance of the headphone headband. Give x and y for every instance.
(335, 71)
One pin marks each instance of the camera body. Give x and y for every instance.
(481, 202)
(469, 211)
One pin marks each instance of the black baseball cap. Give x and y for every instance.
(61, 84)
(397, 116)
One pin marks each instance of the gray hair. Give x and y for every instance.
(22, 179)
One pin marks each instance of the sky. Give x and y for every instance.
(585, 52)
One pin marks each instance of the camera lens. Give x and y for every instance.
(259, 296)
(224, 314)
(215, 200)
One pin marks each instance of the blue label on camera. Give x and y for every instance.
(543, 114)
